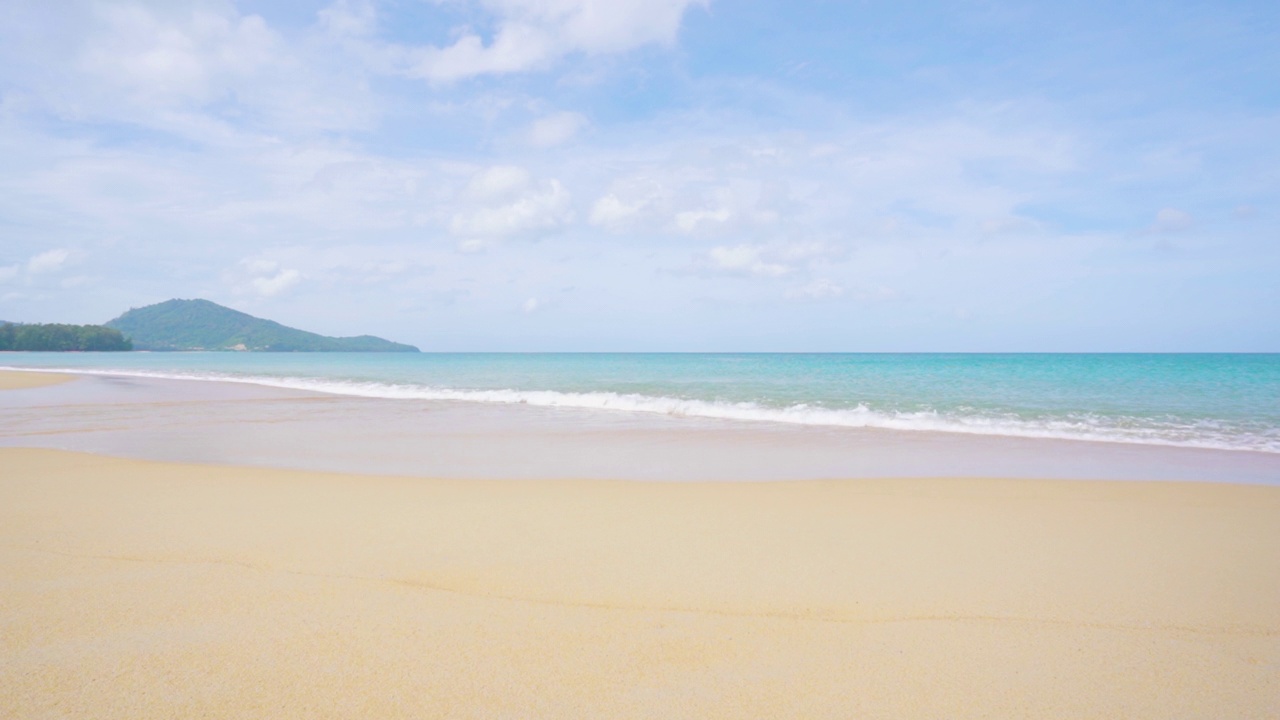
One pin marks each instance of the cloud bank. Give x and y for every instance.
(625, 170)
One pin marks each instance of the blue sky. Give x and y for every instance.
(653, 174)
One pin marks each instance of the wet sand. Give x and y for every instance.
(15, 380)
(227, 423)
(138, 589)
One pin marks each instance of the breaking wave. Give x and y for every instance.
(1165, 431)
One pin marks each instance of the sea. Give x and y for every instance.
(1226, 403)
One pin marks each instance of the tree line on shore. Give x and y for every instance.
(58, 337)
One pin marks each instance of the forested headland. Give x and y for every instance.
(57, 337)
(204, 325)
(184, 325)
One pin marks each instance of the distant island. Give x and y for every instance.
(205, 325)
(58, 337)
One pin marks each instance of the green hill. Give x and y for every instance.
(203, 325)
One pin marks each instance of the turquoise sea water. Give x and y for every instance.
(1223, 401)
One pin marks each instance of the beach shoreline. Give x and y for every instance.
(244, 424)
(136, 588)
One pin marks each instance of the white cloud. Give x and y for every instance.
(611, 211)
(816, 289)
(600, 26)
(203, 71)
(690, 221)
(48, 261)
(277, 283)
(498, 182)
(1172, 220)
(166, 59)
(267, 278)
(260, 266)
(1008, 224)
(745, 193)
(883, 293)
(516, 47)
(778, 259)
(511, 205)
(349, 19)
(532, 34)
(811, 250)
(555, 129)
(197, 123)
(630, 202)
(530, 306)
(745, 259)
(45, 263)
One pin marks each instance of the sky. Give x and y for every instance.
(653, 175)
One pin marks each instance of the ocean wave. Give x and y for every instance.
(1216, 435)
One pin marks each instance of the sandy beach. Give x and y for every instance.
(11, 380)
(627, 360)
(142, 589)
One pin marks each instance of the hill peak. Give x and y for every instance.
(199, 324)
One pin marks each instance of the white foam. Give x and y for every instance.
(1206, 435)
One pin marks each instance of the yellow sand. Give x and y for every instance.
(147, 590)
(22, 380)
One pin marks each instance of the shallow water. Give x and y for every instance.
(239, 423)
(1216, 401)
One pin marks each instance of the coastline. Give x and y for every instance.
(1189, 401)
(139, 588)
(246, 424)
